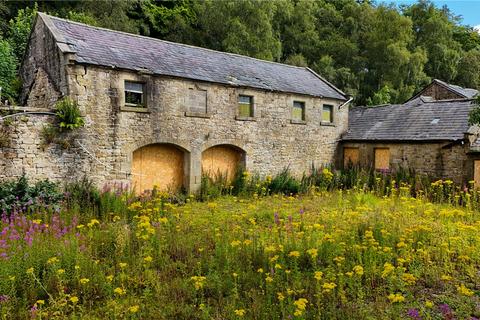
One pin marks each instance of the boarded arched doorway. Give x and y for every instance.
(222, 159)
(160, 165)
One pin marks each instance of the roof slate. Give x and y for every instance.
(410, 122)
(465, 92)
(104, 47)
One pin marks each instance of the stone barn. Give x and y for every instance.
(161, 113)
(429, 133)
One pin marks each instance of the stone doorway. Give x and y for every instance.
(222, 160)
(158, 165)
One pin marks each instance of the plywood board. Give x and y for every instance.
(350, 156)
(221, 159)
(158, 165)
(476, 173)
(382, 159)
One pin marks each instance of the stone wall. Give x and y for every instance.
(27, 153)
(438, 92)
(103, 149)
(436, 159)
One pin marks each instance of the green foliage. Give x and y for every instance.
(359, 46)
(474, 115)
(69, 114)
(8, 66)
(380, 97)
(19, 195)
(19, 30)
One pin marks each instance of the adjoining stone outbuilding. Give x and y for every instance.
(158, 112)
(429, 133)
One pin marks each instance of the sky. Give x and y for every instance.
(468, 9)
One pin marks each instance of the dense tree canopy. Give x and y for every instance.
(378, 53)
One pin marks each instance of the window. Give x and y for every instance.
(350, 157)
(327, 113)
(134, 94)
(245, 106)
(382, 158)
(197, 101)
(298, 111)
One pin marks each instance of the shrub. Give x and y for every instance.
(18, 195)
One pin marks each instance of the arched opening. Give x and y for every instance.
(158, 165)
(222, 160)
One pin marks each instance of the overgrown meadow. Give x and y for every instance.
(325, 254)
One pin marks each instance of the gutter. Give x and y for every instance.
(345, 103)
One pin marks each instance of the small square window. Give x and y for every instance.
(298, 111)
(327, 113)
(245, 106)
(134, 94)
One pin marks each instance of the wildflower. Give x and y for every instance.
(280, 296)
(318, 275)
(409, 278)
(235, 243)
(269, 279)
(464, 290)
(92, 223)
(122, 265)
(240, 312)
(11, 278)
(80, 226)
(300, 305)
(148, 259)
(73, 299)
(358, 270)
(446, 277)
(260, 270)
(313, 253)
(40, 302)
(396, 298)
(429, 304)
(37, 221)
(387, 269)
(414, 314)
(84, 281)
(294, 254)
(278, 266)
(52, 260)
(77, 267)
(60, 271)
(109, 278)
(199, 281)
(119, 291)
(134, 309)
(328, 286)
(30, 271)
(247, 242)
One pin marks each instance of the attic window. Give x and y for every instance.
(134, 94)
(435, 121)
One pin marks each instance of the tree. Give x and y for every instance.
(19, 30)
(8, 68)
(469, 69)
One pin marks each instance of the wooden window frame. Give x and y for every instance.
(332, 117)
(143, 104)
(302, 119)
(251, 105)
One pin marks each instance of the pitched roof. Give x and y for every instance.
(98, 46)
(445, 120)
(467, 93)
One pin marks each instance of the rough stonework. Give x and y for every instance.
(267, 141)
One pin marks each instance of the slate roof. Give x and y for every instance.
(445, 120)
(465, 92)
(104, 47)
